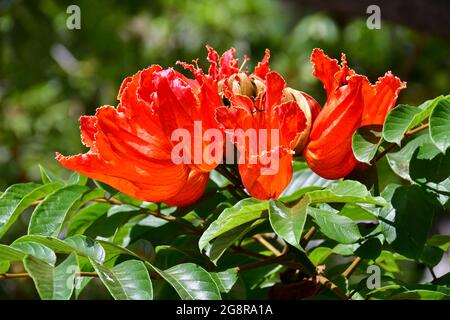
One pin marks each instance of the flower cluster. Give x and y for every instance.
(169, 130)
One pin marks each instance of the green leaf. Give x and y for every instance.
(399, 161)
(365, 142)
(431, 256)
(244, 211)
(37, 250)
(77, 178)
(50, 215)
(346, 191)
(420, 295)
(369, 249)
(49, 177)
(4, 266)
(17, 198)
(86, 217)
(319, 255)
(303, 180)
(411, 217)
(440, 124)
(400, 120)
(428, 164)
(8, 254)
(53, 283)
(440, 241)
(126, 281)
(219, 245)
(288, 223)
(192, 282)
(335, 226)
(82, 245)
(225, 280)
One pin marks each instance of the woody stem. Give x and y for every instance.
(392, 146)
(222, 169)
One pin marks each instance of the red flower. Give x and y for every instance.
(130, 146)
(261, 102)
(352, 102)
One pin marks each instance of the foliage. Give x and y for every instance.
(226, 247)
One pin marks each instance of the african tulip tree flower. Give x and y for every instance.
(352, 102)
(134, 147)
(283, 114)
(130, 146)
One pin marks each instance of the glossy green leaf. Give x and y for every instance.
(82, 245)
(365, 142)
(369, 249)
(400, 120)
(17, 198)
(192, 282)
(86, 217)
(217, 247)
(319, 255)
(346, 191)
(53, 283)
(428, 164)
(288, 223)
(335, 226)
(50, 215)
(9, 254)
(126, 281)
(411, 218)
(420, 295)
(399, 161)
(244, 211)
(440, 124)
(225, 280)
(49, 177)
(4, 266)
(37, 250)
(440, 241)
(303, 180)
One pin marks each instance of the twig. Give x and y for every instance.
(267, 244)
(263, 263)
(432, 273)
(222, 169)
(330, 285)
(348, 272)
(308, 236)
(247, 252)
(392, 146)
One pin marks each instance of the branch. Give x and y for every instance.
(267, 244)
(392, 146)
(352, 267)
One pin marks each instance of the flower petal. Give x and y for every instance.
(119, 175)
(263, 68)
(268, 186)
(380, 99)
(329, 152)
(88, 128)
(192, 191)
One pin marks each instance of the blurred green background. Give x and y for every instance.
(50, 75)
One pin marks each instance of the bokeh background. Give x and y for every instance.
(50, 75)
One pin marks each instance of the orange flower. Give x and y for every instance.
(130, 146)
(352, 102)
(261, 102)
